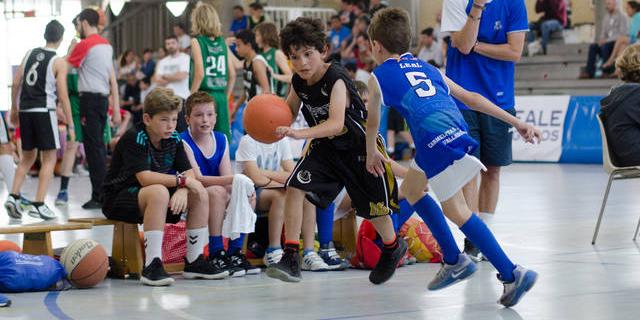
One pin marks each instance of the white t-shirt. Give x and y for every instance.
(172, 64)
(454, 15)
(266, 156)
(184, 41)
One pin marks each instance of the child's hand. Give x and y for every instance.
(178, 202)
(375, 163)
(528, 132)
(288, 132)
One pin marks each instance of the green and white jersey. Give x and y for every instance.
(214, 60)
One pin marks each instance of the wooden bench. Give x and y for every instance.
(126, 250)
(37, 236)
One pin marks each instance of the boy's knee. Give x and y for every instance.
(492, 173)
(199, 193)
(156, 193)
(217, 193)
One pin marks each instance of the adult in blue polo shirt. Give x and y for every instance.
(487, 38)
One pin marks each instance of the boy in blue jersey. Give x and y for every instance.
(336, 155)
(208, 153)
(443, 146)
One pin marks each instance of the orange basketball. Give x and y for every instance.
(6, 245)
(86, 263)
(263, 114)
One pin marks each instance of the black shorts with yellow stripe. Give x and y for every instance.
(324, 171)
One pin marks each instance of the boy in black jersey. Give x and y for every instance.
(151, 181)
(336, 155)
(41, 79)
(257, 78)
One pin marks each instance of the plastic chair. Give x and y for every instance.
(615, 173)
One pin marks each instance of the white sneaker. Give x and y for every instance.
(273, 257)
(43, 212)
(312, 262)
(534, 48)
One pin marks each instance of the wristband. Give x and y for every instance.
(477, 6)
(182, 181)
(178, 179)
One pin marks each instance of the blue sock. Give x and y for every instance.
(394, 220)
(304, 253)
(406, 211)
(215, 245)
(235, 245)
(324, 219)
(432, 215)
(478, 233)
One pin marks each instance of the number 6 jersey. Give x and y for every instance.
(38, 81)
(419, 92)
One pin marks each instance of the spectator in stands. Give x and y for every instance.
(482, 59)
(337, 34)
(131, 98)
(161, 53)
(360, 52)
(429, 49)
(183, 38)
(127, 65)
(633, 11)
(554, 19)
(621, 111)
(173, 72)
(148, 66)
(375, 5)
(360, 26)
(360, 9)
(347, 17)
(615, 25)
(256, 12)
(240, 21)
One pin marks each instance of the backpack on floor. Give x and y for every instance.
(368, 248)
(25, 272)
(422, 245)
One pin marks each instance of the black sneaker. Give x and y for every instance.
(288, 269)
(223, 262)
(154, 274)
(472, 251)
(92, 204)
(386, 266)
(239, 260)
(201, 268)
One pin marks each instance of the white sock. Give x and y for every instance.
(152, 245)
(8, 169)
(486, 217)
(196, 240)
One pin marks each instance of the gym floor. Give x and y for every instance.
(545, 220)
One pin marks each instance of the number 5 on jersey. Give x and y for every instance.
(424, 85)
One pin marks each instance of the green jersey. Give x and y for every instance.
(214, 60)
(278, 87)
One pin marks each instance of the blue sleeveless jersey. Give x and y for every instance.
(418, 91)
(208, 166)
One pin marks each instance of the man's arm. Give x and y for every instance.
(178, 76)
(510, 51)
(466, 38)
(116, 118)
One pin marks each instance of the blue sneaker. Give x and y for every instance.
(4, 301)
(513, 291)
(62, 199)
(331, 258)
(451, 274)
